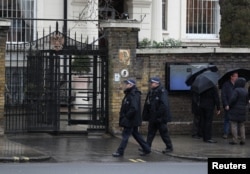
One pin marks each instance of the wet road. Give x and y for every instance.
(80, 148)
(103, 168)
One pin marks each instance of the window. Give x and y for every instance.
(202, 17)
(164, 14)
(109, 9)
(21, 30)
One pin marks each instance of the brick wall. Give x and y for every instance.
(180, 103)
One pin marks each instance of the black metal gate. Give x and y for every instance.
(55, 82)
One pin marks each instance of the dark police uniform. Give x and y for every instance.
(156, 111)
(130, 119)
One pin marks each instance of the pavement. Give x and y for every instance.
(38, 147)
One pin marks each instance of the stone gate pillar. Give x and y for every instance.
(4, 27)
(122, 37)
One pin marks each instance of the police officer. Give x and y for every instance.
(130, 118)
(156, 112)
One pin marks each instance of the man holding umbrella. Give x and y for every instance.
(197, 131)
(205, 85)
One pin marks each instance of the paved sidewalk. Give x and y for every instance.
(190, 148)
(18, 150)
(11, 151)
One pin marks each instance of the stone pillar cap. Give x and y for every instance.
(120, 24)
(4, 22)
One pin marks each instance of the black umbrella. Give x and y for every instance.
(245, 73)
(190, 79)
(204, 81)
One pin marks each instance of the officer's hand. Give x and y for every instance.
(218, 112)
(227, 107)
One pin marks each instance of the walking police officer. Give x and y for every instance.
(156, 111)
(130, 118)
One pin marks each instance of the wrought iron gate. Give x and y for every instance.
(55, 79)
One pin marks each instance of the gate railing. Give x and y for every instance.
(44, 84)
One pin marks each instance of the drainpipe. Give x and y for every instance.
(65, 26)
(65, 15)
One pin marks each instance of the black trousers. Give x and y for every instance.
(196, 131)
(153, 127)
(126, 133)
(206, 122)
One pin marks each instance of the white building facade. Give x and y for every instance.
(39, 16)
(193, 22)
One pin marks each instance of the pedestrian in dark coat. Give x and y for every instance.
(237, 112)
(130, 118)
(226, 92)
(157, 112)
(209, 99)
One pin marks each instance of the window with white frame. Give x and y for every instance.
(20, 12)
(164, 14)
(202, 17)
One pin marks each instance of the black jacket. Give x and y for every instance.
(130, 112)
(156, 106)
(238, 102)
(210, 99)
(226, 92)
